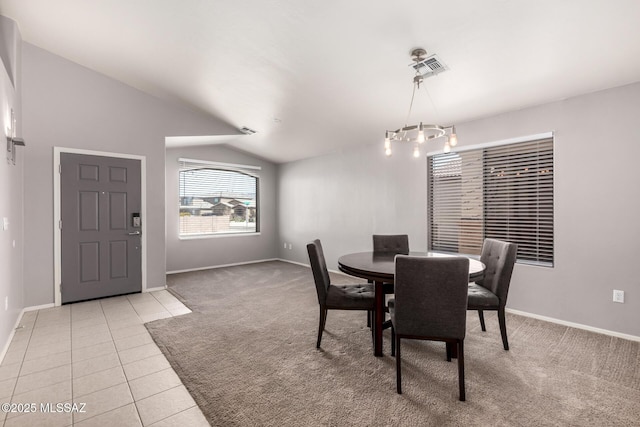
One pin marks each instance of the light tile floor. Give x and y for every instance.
(97, 353)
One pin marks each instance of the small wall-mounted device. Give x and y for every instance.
(12, 141)
(135, 220)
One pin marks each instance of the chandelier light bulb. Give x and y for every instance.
(416, 151)
(387, 152)
(420, 133)
(453, 139)
(447, 147)
(387, 142)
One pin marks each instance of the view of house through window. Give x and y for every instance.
(217, 198)
(503, 192)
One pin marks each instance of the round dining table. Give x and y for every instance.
(380, 268)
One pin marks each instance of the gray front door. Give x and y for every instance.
(101, 245)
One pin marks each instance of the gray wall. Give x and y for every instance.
(344, 198)
(70, 106)
(191, 254)
(11, 184)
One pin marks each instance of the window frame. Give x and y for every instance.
(488, 146)
(249, 170)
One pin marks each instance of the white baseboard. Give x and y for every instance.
(575, 325)
(221, 266)
(5, 348)
(294, 262)
(38, 307)
(308, 266)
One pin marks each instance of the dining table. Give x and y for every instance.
(379, 268)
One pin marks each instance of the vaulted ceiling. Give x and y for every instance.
(313, 77)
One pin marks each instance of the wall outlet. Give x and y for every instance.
(618, 296)
(5, 224)
(6, 303)
(285, 245)
(289, 245)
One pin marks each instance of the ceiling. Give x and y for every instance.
(313, 77)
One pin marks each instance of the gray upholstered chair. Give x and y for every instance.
(395, 244)
(490, 293)
(339, 297)
(390, 244)
(430, 304)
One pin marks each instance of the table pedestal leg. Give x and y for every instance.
(379, 294)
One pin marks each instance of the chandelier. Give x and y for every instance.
(418, 134)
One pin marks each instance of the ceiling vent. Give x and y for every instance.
(247, 131)
(429, 66)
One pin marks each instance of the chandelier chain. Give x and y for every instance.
(413, 94)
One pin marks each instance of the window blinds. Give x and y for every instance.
(503, 192)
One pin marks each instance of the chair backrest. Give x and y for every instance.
(395, 244)
(431, 296)
(498, 257)
(319, 268)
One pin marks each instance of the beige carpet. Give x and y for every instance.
(247, 355)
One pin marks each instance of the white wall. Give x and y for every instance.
(343, 198)
(189, 254)
(67, 105)
(11, 184)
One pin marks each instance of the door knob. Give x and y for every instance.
(134, 233)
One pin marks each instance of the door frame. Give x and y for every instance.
(57, 233)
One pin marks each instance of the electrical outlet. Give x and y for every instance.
(5, 224)
(6, 303)
(285, 245)
(618, 296)
(289, 245)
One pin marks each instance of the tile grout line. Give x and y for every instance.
(122, 366)
(22, 363)
(179, 412)
(73, 415)
(13, 392)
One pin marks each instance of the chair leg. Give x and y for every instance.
(393, 341)
(323, 320)
(461, 369)
(398, 368)
(503, 327)
(481, 315)
(448, 345)
(368, 318)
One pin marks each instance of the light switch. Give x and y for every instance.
(5, 224)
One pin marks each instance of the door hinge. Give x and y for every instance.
(60, 224)
(60, 168)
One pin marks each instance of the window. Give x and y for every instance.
(503, 192)
(218, 198)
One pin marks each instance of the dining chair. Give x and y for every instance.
(490, 293)
(336, 297)
(430, 304)
(391, 243)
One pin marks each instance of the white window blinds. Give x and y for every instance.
(503, 192)
(218, 198)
